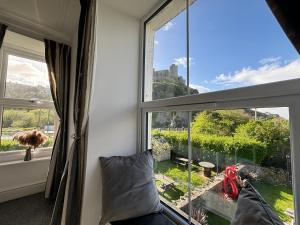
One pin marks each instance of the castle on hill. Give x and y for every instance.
(166, 75)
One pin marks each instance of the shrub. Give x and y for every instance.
(219, 122)
(245, 148)
(274, 133)
(10, 145)
(161, 149)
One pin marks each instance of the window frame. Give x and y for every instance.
(276, 94)
(5, 51)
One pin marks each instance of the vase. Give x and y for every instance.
(27, 155)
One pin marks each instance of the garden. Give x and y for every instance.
(259, 146)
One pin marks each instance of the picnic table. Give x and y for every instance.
(182, 161)
(208, 166)
(167, 184)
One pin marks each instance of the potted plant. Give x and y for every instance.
(31, 140)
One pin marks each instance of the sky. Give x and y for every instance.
(232, 44)
(25, 71)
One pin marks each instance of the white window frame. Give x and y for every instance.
(277, 94)
(5, 51)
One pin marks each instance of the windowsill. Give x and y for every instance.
(15, 157)
(2, 164)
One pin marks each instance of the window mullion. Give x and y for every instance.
(295, 156)
(1, 119)
(3, 61)
(23, 103)
(189, 114)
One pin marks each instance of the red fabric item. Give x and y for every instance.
(229, 183)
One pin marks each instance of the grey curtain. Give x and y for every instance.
(67, 209)
(58, 59)
(2, 33)
(287, 14)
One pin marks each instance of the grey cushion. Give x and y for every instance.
(253, 210)
(128, 187)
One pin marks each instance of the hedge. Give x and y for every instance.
(10, 145)
(245, 149)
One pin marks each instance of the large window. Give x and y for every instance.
(25, 97)
(227, 81)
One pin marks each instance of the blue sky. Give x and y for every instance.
(232, 44)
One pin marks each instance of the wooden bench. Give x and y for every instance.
(167, 187)
(182, 161)
(167, 184)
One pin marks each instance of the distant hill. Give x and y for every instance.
(260, 115)
(22, 91)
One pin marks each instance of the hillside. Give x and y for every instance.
(22, 91)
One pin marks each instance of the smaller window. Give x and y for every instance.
(25, 96)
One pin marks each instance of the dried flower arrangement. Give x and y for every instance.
(31, 140)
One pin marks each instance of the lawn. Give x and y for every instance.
(180, 175)
(174, 193)
(278, 197)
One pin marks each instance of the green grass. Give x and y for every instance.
(173, 193)
(179, 173)
(279, 198)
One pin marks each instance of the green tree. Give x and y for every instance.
(219, 122)
(27, 118)
(271, 131)
(274, 132)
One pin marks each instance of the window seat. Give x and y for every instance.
(150, 219)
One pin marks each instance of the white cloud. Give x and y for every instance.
(269, 60)
(156, 42)
(168, 26)
(25, 71)
(269, 72)
(183, 61)
(201, 89)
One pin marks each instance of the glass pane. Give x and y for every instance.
(171, 158)
(165, 53)
(27, 79)
(236, 44)
(252, 143)
(17, 120)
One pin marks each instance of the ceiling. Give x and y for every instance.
(56, 19)
(136, 8)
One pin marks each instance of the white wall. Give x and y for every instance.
(19, 178)
(113, 115)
